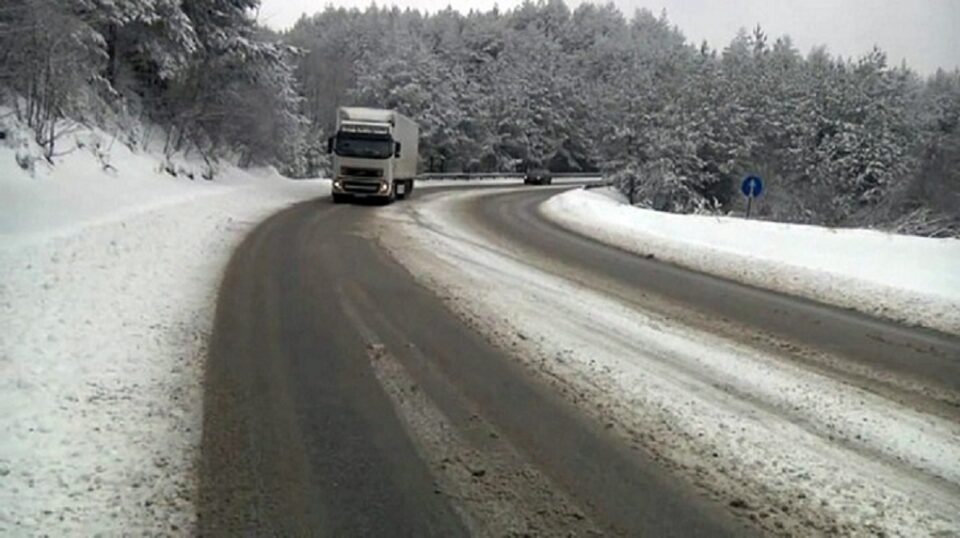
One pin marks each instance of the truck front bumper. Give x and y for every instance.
(361, 188)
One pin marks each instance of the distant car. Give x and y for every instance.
(538, 176)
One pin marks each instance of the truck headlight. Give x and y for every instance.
(338, 184)
(384, 187)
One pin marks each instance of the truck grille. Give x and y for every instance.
(361, 172)
(361, 187)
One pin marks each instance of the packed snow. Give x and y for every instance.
(795, 450)
(904, 278)
(110, 270)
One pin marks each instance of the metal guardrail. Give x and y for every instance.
(498, 175)
(470, 175)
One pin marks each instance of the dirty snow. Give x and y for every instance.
(794, 450)
(106, 301)
(903, 278)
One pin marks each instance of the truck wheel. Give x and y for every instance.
(339, 198)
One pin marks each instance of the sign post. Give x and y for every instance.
(751, 187)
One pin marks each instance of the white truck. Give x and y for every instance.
(375, 154)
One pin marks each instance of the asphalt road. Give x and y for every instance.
(301, 438)
(906, 363)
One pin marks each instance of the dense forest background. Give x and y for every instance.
(675, 125)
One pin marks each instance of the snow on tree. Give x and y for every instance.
(52, 59)
(676, 125)
(200, 69)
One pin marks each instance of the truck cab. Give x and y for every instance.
(375, 154)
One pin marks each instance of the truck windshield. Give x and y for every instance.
(371, 147)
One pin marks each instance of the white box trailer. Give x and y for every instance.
(375, 154)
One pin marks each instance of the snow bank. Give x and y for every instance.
(910, 279)
(797, 451)
(106, 302)
(97, 179)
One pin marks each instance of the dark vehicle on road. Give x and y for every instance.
(538, 176)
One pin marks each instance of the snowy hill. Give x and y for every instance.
(904, 278)
(110, 270)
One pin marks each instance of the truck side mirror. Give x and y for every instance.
(396, 149)
(330, 144)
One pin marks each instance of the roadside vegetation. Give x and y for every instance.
(193, 78)
(675, 125)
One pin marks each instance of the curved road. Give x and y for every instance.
(302, 438)
(804, 329)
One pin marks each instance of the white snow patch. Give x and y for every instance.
(106, 302)
(903, 278)
(795, 446)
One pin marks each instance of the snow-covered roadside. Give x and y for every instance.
(107, 295)
(796, 451)
(903, 278)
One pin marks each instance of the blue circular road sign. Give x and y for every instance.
(752, 186)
